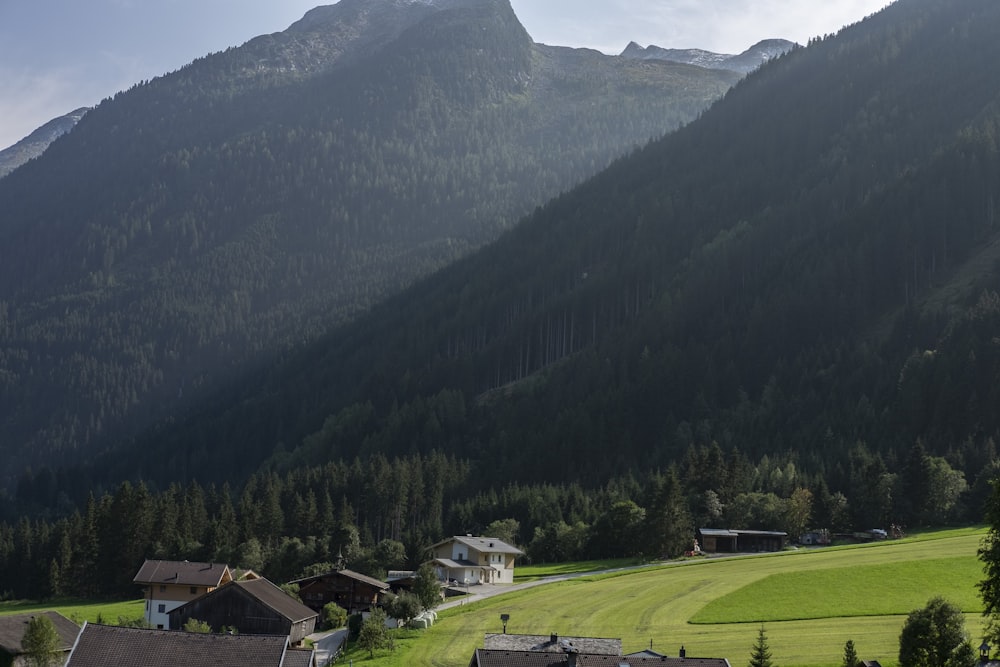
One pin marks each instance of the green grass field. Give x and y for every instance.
(81, 610)
(811, 602)
(525, 573)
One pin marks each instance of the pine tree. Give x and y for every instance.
(850, 655)
(989, 554)
(760, 656)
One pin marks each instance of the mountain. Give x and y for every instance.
(35, 143)
(213, 220)
(743, 63)
(807, 271)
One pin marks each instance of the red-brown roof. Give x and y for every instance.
(183, 573)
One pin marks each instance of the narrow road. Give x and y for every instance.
(327, 643)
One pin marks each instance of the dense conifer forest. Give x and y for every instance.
(783, 315)
(213, 219)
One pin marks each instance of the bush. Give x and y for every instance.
(334, 616)
(354, 623)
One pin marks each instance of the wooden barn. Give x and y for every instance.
(255, 607)
(351, 590)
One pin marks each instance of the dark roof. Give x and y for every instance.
(552, 643)
(350, 574)
(501, 658)
(12, 630)
(261, 590)
(295, 657)
(482, 544)
(456, 564)
(102, 645)
(723, 532)
(184, 573)
(276, 599)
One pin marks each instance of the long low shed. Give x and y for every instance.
(722, 540)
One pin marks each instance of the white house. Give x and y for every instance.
(475, 560)
(168, 584)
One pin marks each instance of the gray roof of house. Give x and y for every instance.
(503, 658)
(299, 658)
(103, 645)
(12, 630)
(483, 544)
(552, 643)
(184, 573)
(453, 564)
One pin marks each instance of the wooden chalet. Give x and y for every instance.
(254, 607)
(351, 590)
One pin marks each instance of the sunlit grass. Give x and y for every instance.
(659, 604)
(81, 610)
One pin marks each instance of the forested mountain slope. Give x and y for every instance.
(210, 220)
(804, 268)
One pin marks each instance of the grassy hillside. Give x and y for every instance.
(813, 601)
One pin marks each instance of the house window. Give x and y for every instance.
(194, 590)
(163, 588)
(161, 608)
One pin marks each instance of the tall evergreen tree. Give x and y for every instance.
(668, 531)
(760, 655)
(989, 554)
(850, 655)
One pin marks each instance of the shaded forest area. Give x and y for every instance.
(208, 222)
(382, 515)
(783, 315)
(808, 266)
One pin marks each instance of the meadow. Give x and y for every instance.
(81, 610)
(810, 601)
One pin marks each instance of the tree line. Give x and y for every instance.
(382, 514)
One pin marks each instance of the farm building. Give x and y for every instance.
(103, 645)
(167, 584)
(503, 650)
(721, 540)
(255, 607)
(12, 632)
(351, 590)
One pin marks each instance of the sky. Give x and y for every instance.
(58, 55)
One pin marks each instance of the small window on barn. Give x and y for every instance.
(194, 590)
(161, 608)
(163, 588)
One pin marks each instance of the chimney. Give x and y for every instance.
(683, 653)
